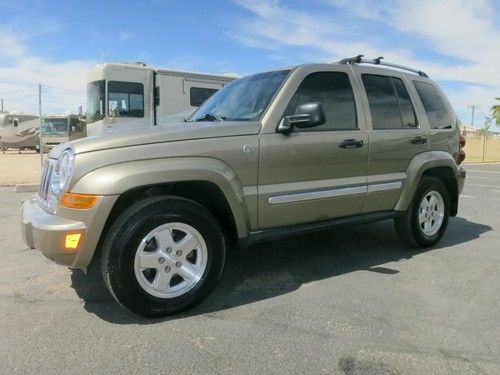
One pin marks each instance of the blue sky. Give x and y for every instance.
(57, 42)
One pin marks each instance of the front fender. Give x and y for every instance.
(118, 178)
(417, 167)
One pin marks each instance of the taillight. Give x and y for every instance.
(461, 152)
(462, 141)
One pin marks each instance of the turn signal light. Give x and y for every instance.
(79, 201)
(72, 240)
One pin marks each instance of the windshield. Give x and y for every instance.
(95, 101)
(245, 99)
(55, 126)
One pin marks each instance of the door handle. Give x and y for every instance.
(351, 143)
(418, 140)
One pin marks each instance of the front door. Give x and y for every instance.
(317, 173)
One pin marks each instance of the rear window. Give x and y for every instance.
(390, 103)
(435, 106)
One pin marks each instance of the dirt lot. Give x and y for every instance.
(350, 301)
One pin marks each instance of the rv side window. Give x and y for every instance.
(437, 113)
(199, 94)
(125, 99)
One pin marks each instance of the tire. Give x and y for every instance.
(140, 260)
(409, 225)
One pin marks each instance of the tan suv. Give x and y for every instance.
(274, 154)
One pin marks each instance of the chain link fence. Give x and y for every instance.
(20, 107)
(19, 167)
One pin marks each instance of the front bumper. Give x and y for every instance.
(47, 233)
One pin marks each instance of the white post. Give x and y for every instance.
(40, 115)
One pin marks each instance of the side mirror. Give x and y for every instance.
(306, 116)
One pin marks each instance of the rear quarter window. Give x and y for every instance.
(438, 114)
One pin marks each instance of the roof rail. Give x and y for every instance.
(378, 61)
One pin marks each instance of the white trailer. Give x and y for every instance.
(131, 95)
(19, 130)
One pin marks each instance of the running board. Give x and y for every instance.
(274, 234)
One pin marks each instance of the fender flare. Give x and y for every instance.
(418, 165)
(119, 178)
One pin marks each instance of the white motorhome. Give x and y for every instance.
(19, 130)
(58, 129)
(131, 95)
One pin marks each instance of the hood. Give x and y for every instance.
(160, 134)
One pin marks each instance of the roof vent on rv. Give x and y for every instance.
(140, 63)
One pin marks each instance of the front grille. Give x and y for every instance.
(43, 191)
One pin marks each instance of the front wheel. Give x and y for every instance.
(425, 221)
(163, 255)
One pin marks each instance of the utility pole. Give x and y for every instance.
(40, 116)
(2, 105)
(473, 108)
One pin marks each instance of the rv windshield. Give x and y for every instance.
(245, 99)
(55, 126)
(95, 101)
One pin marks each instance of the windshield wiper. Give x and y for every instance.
(210, 117)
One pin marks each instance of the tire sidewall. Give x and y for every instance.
(136, 223)
(427, 185)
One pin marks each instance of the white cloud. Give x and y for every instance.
(467, 31)
(63, 83)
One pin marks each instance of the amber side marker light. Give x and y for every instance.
(80, 201)
(72, 240)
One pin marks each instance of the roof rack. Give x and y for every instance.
(378, 61)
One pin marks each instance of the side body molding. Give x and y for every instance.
(419, 164)
(116, 179)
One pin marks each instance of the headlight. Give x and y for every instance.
(62, 172)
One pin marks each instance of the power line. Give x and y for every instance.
(36, 84)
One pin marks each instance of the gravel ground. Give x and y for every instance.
(349, 301)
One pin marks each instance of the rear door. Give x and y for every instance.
(317, 173)
(395, 135)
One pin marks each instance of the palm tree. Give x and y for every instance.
(486, 127)
(495, 112)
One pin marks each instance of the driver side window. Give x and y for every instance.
(334, 90)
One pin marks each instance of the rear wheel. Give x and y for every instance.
(425, 221)
(163, 255)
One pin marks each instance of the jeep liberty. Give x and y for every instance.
(274, 154)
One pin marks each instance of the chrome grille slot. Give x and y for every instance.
(43, 191)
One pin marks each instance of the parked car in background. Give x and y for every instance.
(269, 156)
(132, 95)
